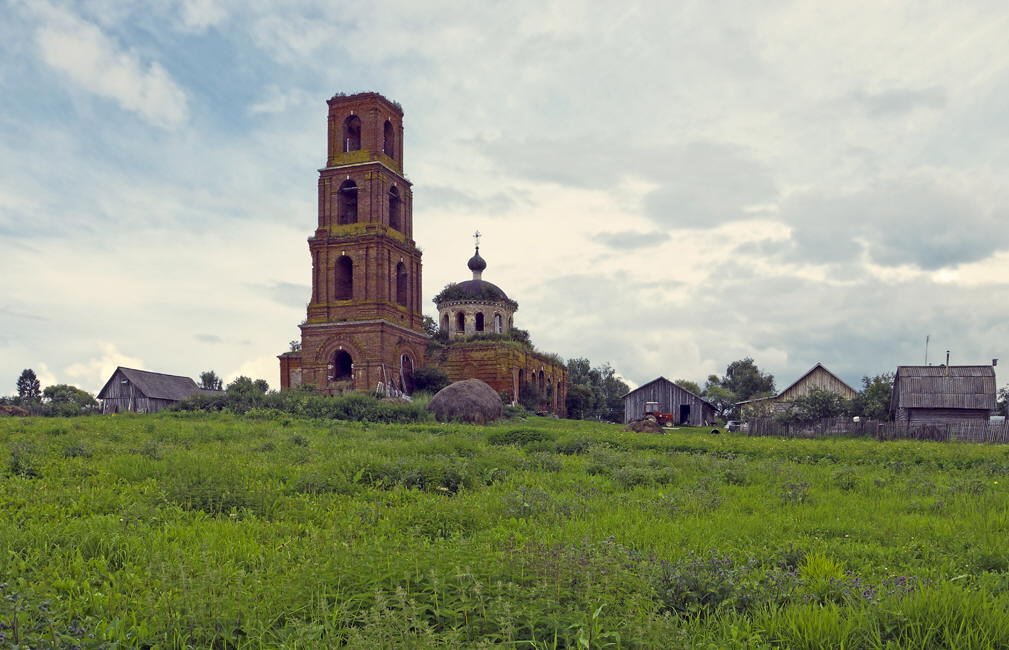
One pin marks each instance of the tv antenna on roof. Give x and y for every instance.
(926, 349)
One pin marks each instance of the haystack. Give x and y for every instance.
(647, 425)
(469, 400)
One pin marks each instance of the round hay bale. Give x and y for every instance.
(647, 425)
(469, 400)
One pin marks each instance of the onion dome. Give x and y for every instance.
(476, 263)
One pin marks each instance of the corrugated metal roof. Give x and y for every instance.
(945, 387)
(155, 385)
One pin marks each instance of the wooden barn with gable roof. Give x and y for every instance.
(687, 408)
(142, 391)
(943, 394)
(816, 378)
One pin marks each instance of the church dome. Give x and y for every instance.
(477, 263)
(478, 290)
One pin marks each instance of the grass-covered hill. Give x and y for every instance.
(199, 530)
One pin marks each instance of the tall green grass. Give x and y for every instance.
(264, 530)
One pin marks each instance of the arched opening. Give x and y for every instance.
(389, 140)
(542, 383)
(444, 323)
(498, 324)
(478, 326)
(394, 209)
(347, 203)
(342, 367)
(401, 284)
(406, 373)
(343, 279)
(352, 133)
(460, 322)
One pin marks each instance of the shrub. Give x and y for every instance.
(521, 437)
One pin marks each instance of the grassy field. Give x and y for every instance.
(217, 531)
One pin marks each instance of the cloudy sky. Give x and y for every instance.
(664, 186)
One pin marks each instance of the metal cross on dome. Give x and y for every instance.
(476, 238)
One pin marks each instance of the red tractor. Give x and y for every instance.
(653, 412)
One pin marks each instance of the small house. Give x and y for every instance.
(943, 394)
(687, 408)
(816, 378)
(142, 391)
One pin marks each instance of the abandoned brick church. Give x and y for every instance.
(365, 324)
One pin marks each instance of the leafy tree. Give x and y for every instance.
(873, 401)
(723, 399)
(580, 401)
(815, 405)
(63, 399)
(606, 387)
(295, 345)
(430, 326)
(430, 379)
(210, 381)
(29, 388)
(692, 386)
(245, 386)
(746, 380)
(1002, 401)
(743, 381)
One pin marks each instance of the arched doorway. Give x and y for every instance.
(342, 368)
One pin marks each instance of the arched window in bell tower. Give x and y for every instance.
(347, 203)
(497, 324)
(343, 279)
(352, 133)
(394, 209)
(460, 322)
(402, 284)
(444, 323)
(389, 140)
(479, 321)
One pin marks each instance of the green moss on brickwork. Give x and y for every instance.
(353, 230)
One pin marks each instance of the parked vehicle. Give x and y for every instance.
(652, 411)
(736, 425)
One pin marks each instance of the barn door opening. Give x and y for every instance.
(684, 414)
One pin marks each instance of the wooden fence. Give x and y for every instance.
(963, 431)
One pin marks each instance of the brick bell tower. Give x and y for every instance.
(364, 323)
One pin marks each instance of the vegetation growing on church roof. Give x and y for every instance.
(487, 292)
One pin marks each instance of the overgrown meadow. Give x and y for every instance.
(213, 530)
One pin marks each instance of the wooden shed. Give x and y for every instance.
(816, 378)
(142, 391)
(943, 394)
(688, 409)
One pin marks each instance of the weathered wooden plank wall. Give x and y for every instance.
(670, 397)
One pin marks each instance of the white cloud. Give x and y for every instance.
(198, 15)
(265, 367)
(275, 99)
(45, 376)
(97, 64)
(92, 374)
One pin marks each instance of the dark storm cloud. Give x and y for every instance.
(918, 221)
(631, 240)
(896, 102)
